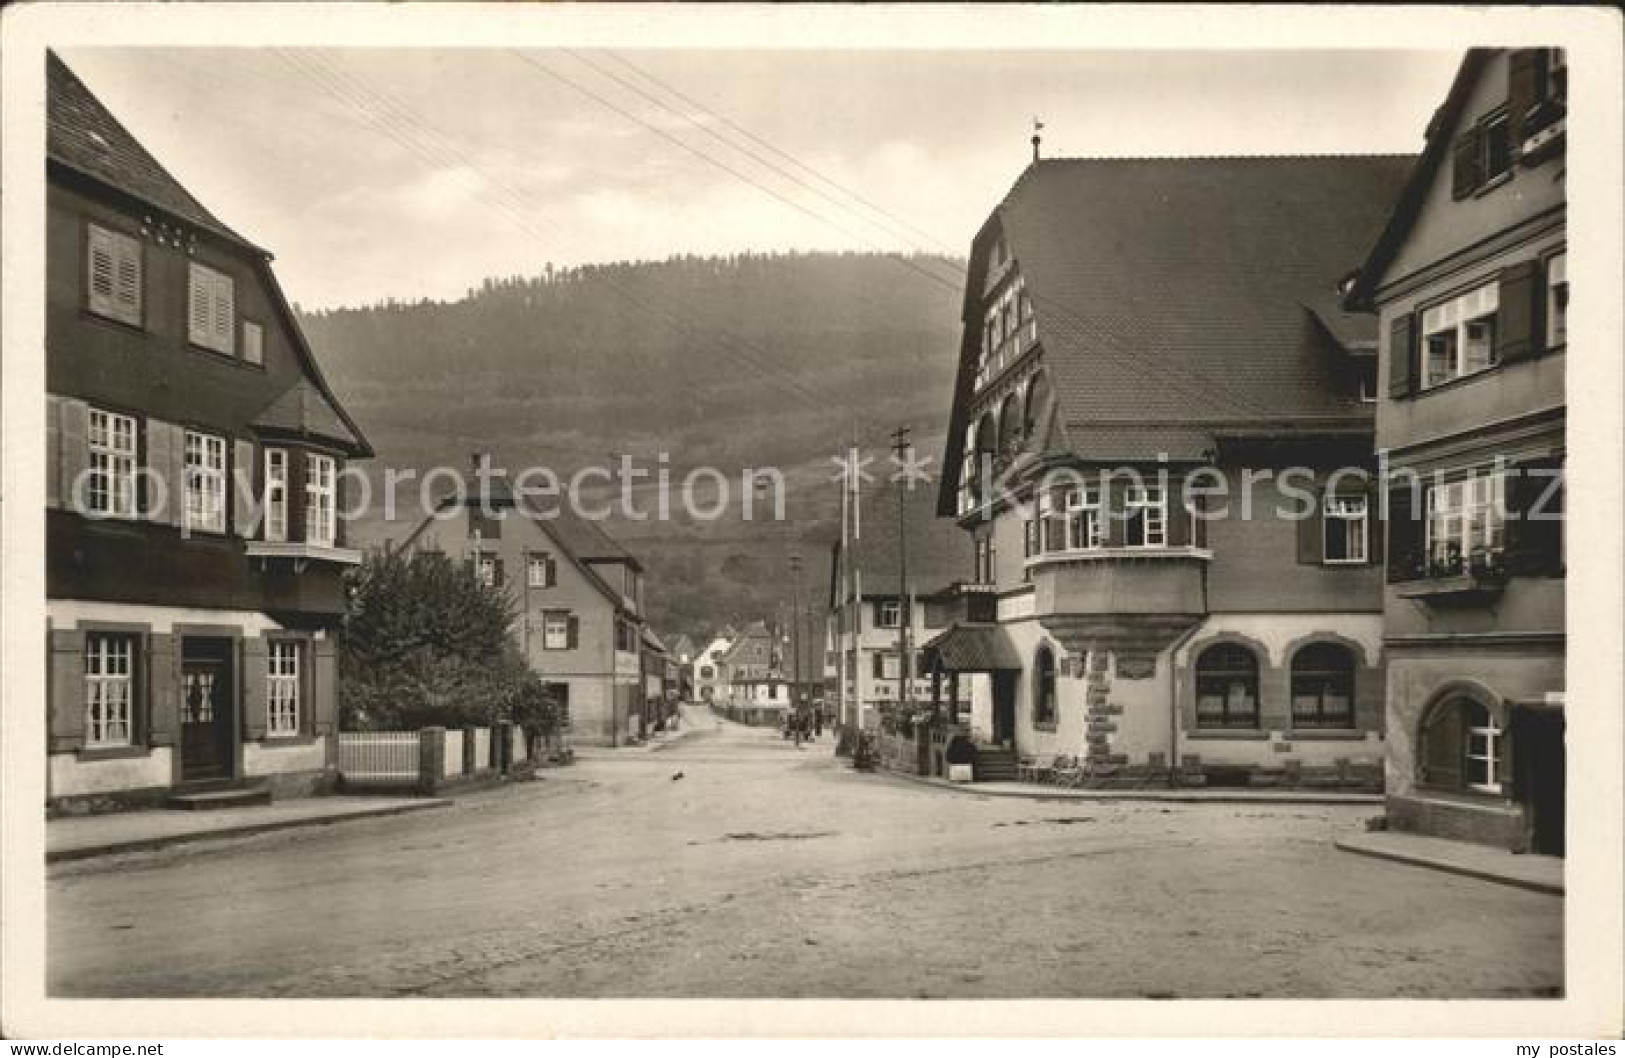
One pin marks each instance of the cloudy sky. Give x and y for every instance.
(412, 173)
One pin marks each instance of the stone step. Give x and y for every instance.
(229, 797)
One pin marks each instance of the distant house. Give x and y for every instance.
(193, 458)
(682, 655)
(580, 597)
(1194, 614)
(865, 609)
(708, 680)
(1470, 282)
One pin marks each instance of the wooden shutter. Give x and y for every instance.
(100, 274)
(66, 689)
(165, 496)
(319, 714)
(1467, 174)
(1517, 323)
(1312, 532)
(1526, 85)
(1405, 536)
(127, 280)
(241, 496)
(572, 635)
(223, 317)
(1534, 544)
(198, 306)
(1402, 356)
(174, 470)
(1443, 747)
(53, 450)
(1375, 528)
(256, 656)
(552, 575)
(160, 706)
(73, 447)
(878, 664)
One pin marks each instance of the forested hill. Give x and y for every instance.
(750, 360)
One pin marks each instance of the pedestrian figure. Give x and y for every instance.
(818, 723)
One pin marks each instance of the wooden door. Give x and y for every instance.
(207, 717)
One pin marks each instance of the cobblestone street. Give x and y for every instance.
(776, 872)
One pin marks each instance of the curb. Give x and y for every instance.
(1449, 868)
(114, 848)
(1170, 796)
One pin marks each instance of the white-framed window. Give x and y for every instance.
(1557, 300)
(282, 689)
(1145, 510)
(1346, 529)
(113, 275)
(1051, 521)
(110, 485)
(891, 666)
(1483, 758)
(211, 309)
(276, 494)
(1458, 337)
(1465, 518)
(205, 482)
(1084, 526)
(889, 614)
(485, 567)
(538, 571)
(321, 500)
(253, 343)
(109, 690)
(555, 630)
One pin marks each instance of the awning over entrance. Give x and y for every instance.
(972, 648)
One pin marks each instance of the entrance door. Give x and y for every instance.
(1004, 708)
(1539, 762)
(208, 719)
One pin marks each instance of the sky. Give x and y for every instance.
(412, 173)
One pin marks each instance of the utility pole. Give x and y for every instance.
(905, 670)
(795, 632)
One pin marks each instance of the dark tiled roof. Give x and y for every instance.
(304, 410)
(1173, 288)
(585, 537)
(974, 648)
(84, 136)
(939, 552)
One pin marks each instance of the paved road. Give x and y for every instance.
(772, 871)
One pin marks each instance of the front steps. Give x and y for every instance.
(199, 797)
(994, 765)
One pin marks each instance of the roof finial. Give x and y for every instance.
(1038, 126)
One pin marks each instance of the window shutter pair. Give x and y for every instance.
(1467, 173)
(1405, 535)
(1519, 327)
(572, 633)
(1535, 510)
(114, 275)
(211, 309)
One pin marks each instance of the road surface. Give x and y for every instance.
(772, 871)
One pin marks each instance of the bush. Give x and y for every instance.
(426, 644)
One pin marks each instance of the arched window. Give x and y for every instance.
(1227, 687)
(979, 457)
(1044, 687)
(1460, 747)
(1037, 395)
(1009, 427)
(1323, 686)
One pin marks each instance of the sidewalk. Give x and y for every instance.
(85, 836)
(1543, 874)
(1195, 795)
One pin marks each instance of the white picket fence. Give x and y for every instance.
(371, 756)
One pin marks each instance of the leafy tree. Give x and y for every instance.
(425, 643)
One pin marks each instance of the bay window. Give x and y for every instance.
(276, 494)
(321, 500)
(1145, 516)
